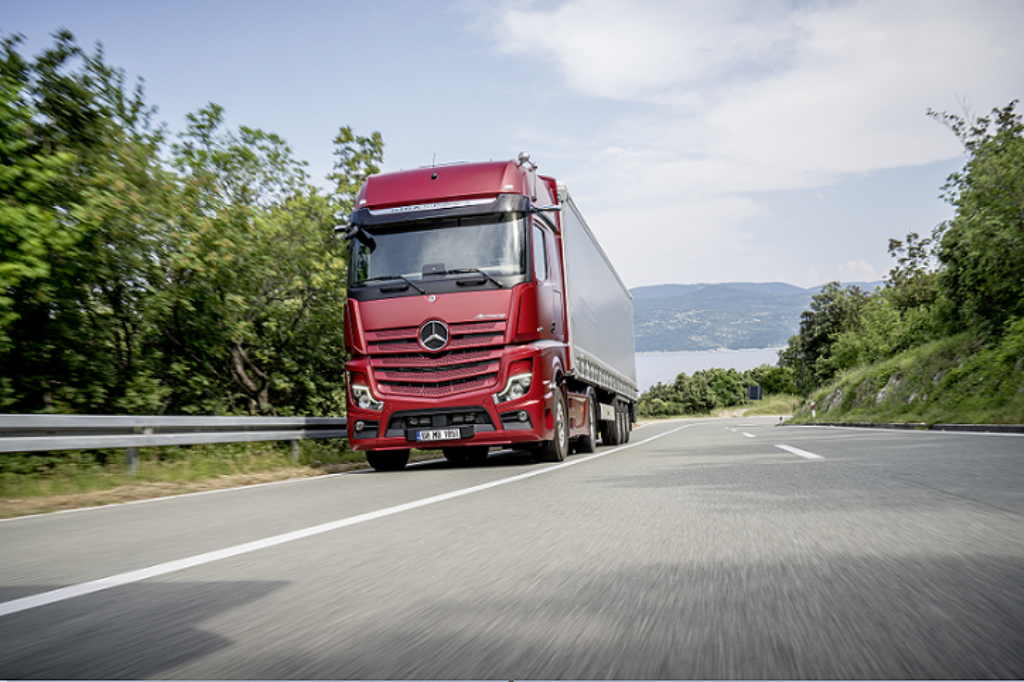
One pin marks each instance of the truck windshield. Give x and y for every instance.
(492, 247)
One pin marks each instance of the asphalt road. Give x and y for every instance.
(700, 550)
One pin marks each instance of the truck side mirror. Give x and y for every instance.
(361, 235)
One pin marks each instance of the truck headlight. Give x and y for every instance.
(361, 395)
(517, 386)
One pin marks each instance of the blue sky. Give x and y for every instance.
(704, 141)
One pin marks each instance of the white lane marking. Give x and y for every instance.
(749, 435)
(798, 451)
(44, 598)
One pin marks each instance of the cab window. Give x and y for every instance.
(540, 254)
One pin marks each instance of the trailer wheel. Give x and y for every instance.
(611, 431)
(387, 460)
(557, 448)
(588, 443)
(626, 423)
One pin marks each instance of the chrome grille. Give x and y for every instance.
(470, 361)
(464, 335)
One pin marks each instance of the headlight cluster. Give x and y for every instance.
(361, 395)
(518, 386)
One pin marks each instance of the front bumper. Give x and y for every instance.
(417, 424)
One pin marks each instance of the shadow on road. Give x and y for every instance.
(133, 632)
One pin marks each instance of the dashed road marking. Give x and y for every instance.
(798, 451)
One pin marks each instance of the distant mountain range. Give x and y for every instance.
(734, 316)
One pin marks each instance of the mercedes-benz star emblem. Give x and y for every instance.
(434, 335)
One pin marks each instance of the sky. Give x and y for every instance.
(719, 141)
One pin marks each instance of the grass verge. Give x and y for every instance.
(37, 484)
(772, 405)
(951, 381)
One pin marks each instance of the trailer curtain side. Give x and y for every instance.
(600, 309)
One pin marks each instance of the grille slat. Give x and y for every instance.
(437, 375)
(438, 390)
(469, 362)
(424, 360)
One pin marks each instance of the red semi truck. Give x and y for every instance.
(482, 313)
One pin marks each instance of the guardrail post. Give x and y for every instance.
(132, 460)
(132, 454)
(295, 451)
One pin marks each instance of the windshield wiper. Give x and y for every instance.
(390, 278)
(476, 271)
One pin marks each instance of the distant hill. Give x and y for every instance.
(735, 315)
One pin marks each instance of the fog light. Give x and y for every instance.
(524, 416)
(360, 426)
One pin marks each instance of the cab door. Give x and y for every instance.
(548, 276)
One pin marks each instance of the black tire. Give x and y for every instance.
(473, 455)
(588, 443)
(624, 422)
(628, 419)
(556, 449)
(387, 460)
(611, 431)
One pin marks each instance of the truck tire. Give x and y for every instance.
(556, 449)
(611, 431)
(588, 443)
(387, 460)
(473, 455)
(626, 425)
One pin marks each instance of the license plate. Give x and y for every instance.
(438, 434)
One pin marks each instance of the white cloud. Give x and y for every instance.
(852, 271)
(696, 107)
(746, 96)
(646, 50)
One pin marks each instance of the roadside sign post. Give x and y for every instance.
(754, 393)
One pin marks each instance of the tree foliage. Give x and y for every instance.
(982, 248)
(707, 390)
(74, 327)
(966, 277)
(140, 276)
(809, 355)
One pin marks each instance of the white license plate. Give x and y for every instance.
(438, 434)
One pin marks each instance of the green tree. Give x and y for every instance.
(911, 282)
(982, 248)
(210, 284)
(255, 289)
(773, 380)
(357, 158)
(85, 162)
(695, 394)
(727, 385)
(810, 353)
(29, 227)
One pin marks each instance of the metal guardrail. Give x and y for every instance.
(55, 432)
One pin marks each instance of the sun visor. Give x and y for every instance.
(503, 203)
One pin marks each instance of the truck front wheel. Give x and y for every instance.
(387, 460)
(556, 449)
